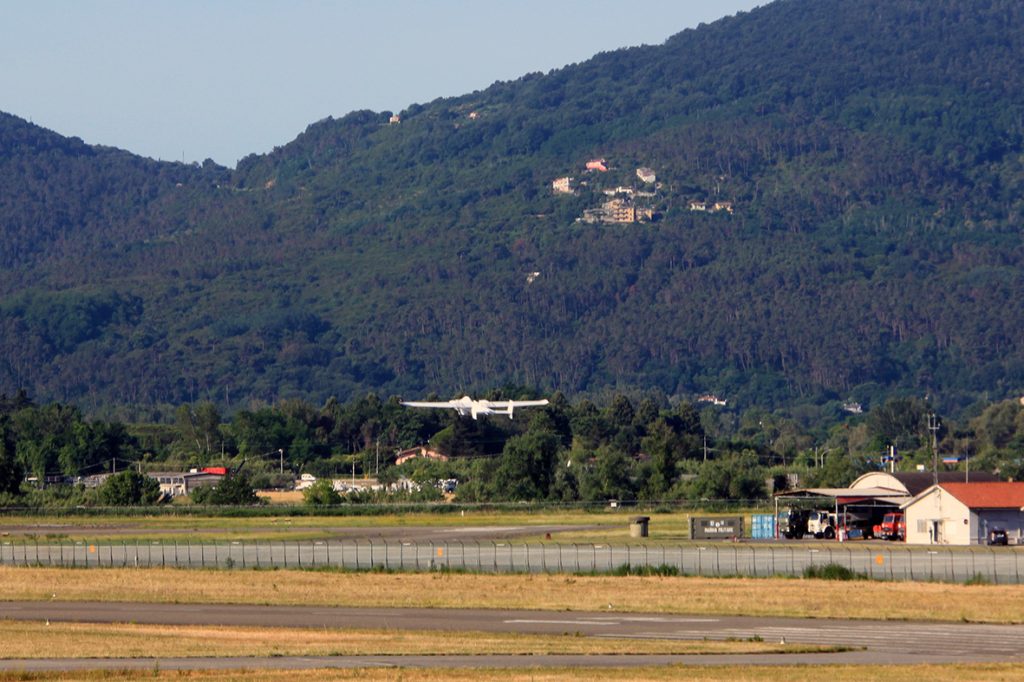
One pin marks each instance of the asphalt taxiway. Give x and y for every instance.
(868, 641)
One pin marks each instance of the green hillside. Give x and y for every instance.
(866, 158)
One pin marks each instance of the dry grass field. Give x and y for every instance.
(833, 673)
(281, 496)
(686, 595)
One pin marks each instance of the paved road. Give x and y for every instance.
(919, 642)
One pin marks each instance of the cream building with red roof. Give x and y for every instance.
(965, 513)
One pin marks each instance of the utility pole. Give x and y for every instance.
(967, 462)
(376, 471)
(280, 451)
(706, 448)
(933, 426)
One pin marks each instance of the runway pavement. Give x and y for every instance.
(874, 641)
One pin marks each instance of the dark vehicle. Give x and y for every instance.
(793, 523)
(997, 536)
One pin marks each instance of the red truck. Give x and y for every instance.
(893, 527)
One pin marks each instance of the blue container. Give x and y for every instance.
(762, 526)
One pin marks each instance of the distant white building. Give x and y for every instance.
(177, 483)
(305, 481)
(646, 175)
(562, 185)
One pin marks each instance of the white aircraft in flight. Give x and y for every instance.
(474, 408)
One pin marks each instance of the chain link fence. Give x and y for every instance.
(996, 565)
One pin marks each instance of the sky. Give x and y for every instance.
(187, 80)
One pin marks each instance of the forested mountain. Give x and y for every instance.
(866, 160)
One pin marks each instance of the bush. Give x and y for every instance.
(832, 572)
(128, 488)
(232, 490)
(321, 493)
(661, 570)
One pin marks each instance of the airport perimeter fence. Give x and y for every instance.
(945, 564)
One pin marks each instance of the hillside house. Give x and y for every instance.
(698, 205)
(562, 185)
(646, 175)
(599, 165)
(617, 211)
(395, 118)
(722, 206)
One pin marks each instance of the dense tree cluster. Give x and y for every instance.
(626, 449)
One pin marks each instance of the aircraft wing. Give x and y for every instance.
(449, 403)
(501, 404)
